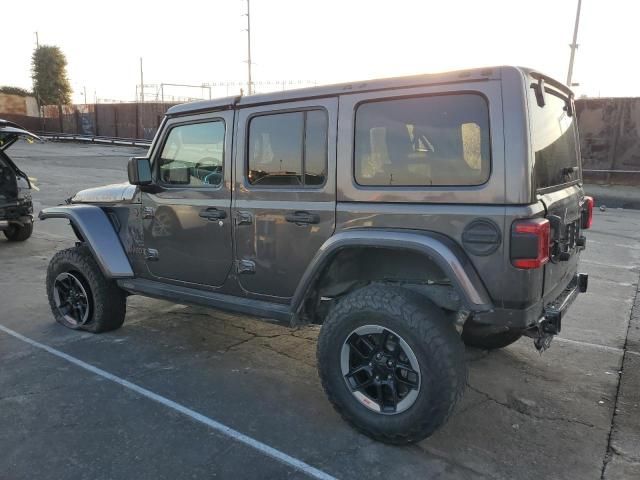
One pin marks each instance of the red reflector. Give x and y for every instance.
(587, 212)
(530, 243)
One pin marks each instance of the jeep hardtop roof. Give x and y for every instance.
(477, 74)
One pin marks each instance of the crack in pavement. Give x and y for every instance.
(253, 335)
(31, 394)
(515, 407)
(608, 455)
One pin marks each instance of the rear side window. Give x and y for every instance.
(424, 141)
(553, 136)
(288, 149)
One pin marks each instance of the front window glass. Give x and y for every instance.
(438, 140)
(193, 154)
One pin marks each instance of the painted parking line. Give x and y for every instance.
(589, 344)
(198, 417)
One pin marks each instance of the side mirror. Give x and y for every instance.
(139, 170)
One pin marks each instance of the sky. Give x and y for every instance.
(318, 41)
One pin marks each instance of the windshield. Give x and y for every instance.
(554, 139)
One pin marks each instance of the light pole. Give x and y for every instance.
(141, 83)
(574, 45)
(249, 84)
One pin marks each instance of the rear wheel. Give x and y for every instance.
(80, 296)
(391, 364)
(19, 232)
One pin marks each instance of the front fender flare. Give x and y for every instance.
(442, 250)
(98, 232)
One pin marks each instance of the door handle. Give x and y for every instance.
(302, 218)
(213, 214)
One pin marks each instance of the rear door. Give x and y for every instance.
(557, 175)
(10, 132)
(284, 206)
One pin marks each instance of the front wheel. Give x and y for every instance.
(391, 364)
(80, 296)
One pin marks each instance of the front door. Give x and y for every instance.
(187, 219)
(284, 205)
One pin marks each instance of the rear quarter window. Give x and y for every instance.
(439, 140)
(554, 141)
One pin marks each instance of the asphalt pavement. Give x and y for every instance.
(184, 392)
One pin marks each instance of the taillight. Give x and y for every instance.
(530, 243)
(587, 213)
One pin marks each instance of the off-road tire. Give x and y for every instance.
(19, 233)
(434, 341)
(108, 303)
(490, 342)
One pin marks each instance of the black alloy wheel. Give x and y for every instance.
(380, 369)
(71, 298)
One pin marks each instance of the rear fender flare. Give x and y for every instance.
(442, 250)
(92, 223)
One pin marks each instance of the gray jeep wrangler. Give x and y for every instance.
(406, 216)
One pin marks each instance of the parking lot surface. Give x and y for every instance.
(570, 413)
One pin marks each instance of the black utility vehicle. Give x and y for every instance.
(16, 209)
(406, 215)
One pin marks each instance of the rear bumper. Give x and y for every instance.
(548, 316)
(551, 321)
(19, 212)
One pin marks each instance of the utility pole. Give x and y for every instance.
(249, 84)
(35, 91)
(574, 45)
(141, 83)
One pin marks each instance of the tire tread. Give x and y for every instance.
(431, 328)
(109, 301)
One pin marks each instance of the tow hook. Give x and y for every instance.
(548, 326)
(543, 341)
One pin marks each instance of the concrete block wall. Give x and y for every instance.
(610, 138)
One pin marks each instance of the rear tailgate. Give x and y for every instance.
(557, 176)
(563, 211)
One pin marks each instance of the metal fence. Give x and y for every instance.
(121, 120)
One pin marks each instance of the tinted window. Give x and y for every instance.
(553, 135)
(193, 154)
(315, 159)
(439, 140)
(283, 146)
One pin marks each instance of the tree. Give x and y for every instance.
(21, 92)
(50, 82)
